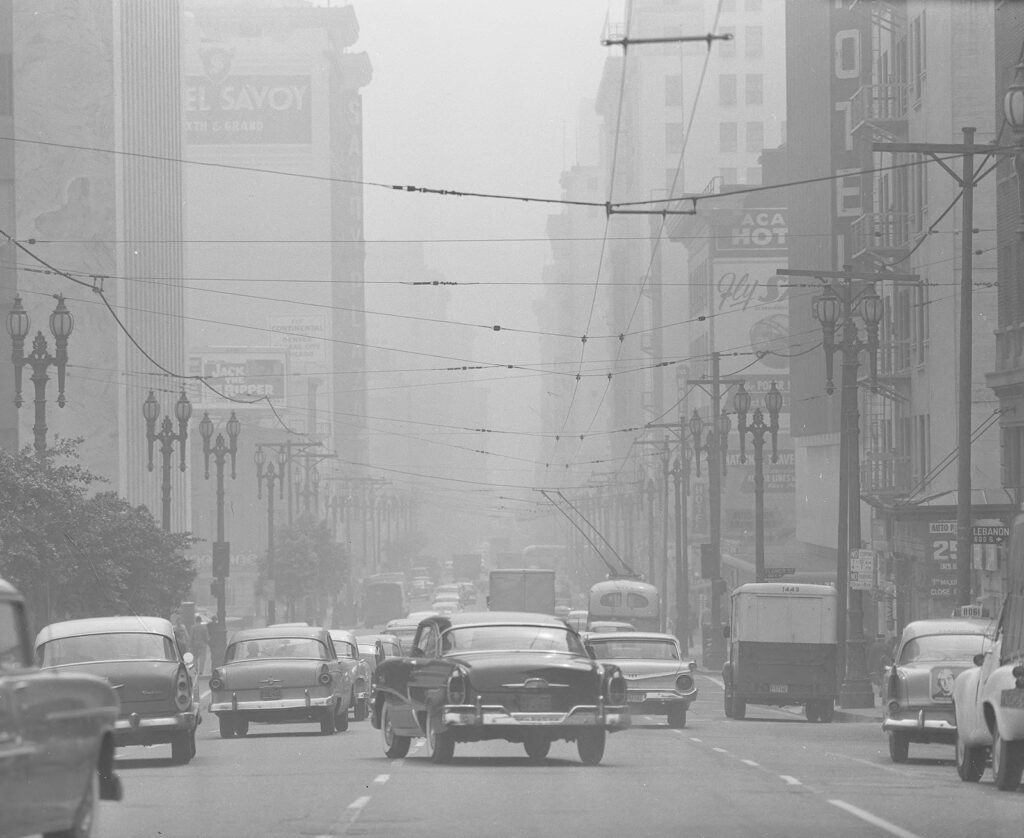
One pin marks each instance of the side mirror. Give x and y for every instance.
(725, 631)
(979, 659)
(590, 650)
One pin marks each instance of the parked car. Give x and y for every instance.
(346, 647)
(918, 688)
(658, 680)
(280, 675)
(140, 659)
(609, 627)
(56, 731)
(520, 677)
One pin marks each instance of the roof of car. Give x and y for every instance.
(473, 618)
(343, 634)
(7, 589)
(105, 625)
(240, 636)
(367, 639)
(633, 636)
(946, 625)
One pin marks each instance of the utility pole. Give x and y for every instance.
(967, 180)
(835, 309)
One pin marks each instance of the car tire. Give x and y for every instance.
(811, 711)
(395, 746)
(327, 723)
(728, 704)
(241, 727)
(827, 710)
(739, 708)
(677, 717)
(183, 747)
(440, 743)
(341, 720)
(537, 747)
(970, 761)
(1007, 762)
(227, 726)
(899, 747)
(590, 745)
(84, 824)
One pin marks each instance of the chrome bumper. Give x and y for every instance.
(468, 715)
(642, 696)
(133, 722)
(919, 722)
(234, 705)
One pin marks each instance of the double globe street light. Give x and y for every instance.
(167, 437)
(270, 476)
(221, 557)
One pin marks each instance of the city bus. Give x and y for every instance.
(625, 600)
(382, 600)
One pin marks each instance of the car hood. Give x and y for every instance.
(495, 670)
(133, 681)
(931, 682)
(270, 672)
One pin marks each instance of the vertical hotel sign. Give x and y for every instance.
(850, 42)
(224, 107)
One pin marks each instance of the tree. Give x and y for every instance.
(307, 566)
(72, 554)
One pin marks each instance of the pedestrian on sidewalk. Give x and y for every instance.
(199, 641)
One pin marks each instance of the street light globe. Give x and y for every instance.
(1013, 101)
(741, 401)
(61, 321)
(871, 306)
(17, 320)
(150, 408)
(773, 401)
(182, 408)
(696, 425)
(260, 456)
(206, 426)
(234, 427)
(724, 424)
(826, 308)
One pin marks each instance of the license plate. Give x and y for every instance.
(535, 703)
(1012, 698)
(635, 695)
(270, 692)
(778, 688)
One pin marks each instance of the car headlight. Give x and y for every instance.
(615, 688)
(458, 687)
(684, 683)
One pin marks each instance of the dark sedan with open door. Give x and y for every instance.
(519, 677)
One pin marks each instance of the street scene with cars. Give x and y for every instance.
(592, 417)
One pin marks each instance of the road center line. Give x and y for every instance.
(720, 750)
(695, 739)
(874, 820)
(790, 781)
(750, 762)
(360, 802)
(382, 778)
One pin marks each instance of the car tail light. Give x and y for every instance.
(615, 688)
(684, 683)
(182, 689)
(217, 680)
(325, 675)
(894, 708)
(458, 687)
(693, 666)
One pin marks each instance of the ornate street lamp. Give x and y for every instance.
(40, 359)
(270, 475)
(166, 437)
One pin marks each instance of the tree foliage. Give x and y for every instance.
(308, 565)
(74, 553)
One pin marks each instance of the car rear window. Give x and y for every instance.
(277, 647)
(942, 647)
(511, 637)
(654, 650)
(112, 646)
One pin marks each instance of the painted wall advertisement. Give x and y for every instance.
(305, 338)
(238, 376)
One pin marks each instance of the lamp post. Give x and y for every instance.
(221, 548)
(681, 479)
(307, 488)
(166, 437)
(40, 360)
(757, 429)
(271, 476)
(837, 309)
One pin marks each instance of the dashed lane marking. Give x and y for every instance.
(790, 781)
(750, 762)
(720, 750)
(359, 803)
(874, 820)
(695, 739)
(382, 778)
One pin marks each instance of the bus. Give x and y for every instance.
(625, 600)
(382, 600)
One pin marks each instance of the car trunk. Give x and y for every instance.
(532, 681)
(267, 673)
(141, 686)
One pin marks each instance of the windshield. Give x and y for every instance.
(115, 646)
(653, 650)
(942, 647)
(511, 637)
(277, 647)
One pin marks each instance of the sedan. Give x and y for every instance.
(357, 671)
(140, 659)
(520, 677)
(658, 680)
(280, 675)
(56, 737)
(918, 690)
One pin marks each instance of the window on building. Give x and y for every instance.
(753, 42)
(727, 136)
(674, 91)
(674, 138)
(728, 175)
(727, 89)
(728, 6)
(754, 176)
(755, 136)
(755, 89)
(727, 49)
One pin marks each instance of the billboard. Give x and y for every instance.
(751, 312)
(305, 338)
(238, 375)
(751, 233)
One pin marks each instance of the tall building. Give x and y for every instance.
(92, 186)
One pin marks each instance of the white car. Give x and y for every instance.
(989, 704)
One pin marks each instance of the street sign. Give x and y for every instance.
(862, 570)
(221, 558)
(778, 572)
(990, 534)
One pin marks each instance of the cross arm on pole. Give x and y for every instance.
(867, 276)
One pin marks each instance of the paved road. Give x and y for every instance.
(773, 774)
